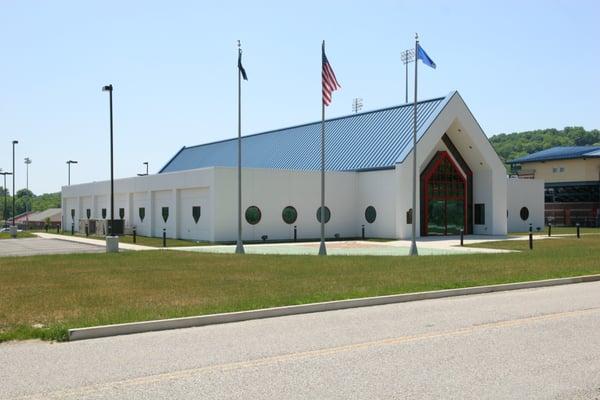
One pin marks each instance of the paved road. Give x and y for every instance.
(540, 343)
(39, 246)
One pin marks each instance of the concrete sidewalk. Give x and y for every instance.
(356, 248)
(95, 242)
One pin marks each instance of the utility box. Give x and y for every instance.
(118, 227)
(90, 223)
(102, 227)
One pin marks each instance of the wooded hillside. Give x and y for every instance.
(513, 145)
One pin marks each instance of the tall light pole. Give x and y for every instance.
(69, 171)
(407, 56)
(14, 230)
(5, 192)
(112, 243)
(27, 162)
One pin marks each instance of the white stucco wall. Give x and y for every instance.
(215, 191)
(151, 192)
(272, 190)
(377, 189)
(525, 193)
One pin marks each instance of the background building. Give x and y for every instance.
(572, 182)
(462, 183)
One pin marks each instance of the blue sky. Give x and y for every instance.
(518, 64)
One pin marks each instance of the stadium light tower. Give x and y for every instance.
(407, 56)
(357, 105)
(13, 228)
(69, 169)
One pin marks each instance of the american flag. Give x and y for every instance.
(330, 83)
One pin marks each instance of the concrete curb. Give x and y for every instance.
(188, 322)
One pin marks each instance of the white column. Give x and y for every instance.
(175, 202)
(130, 217)
(94, 207)
(150, 213)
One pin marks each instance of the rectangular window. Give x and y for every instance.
(554, 170)
(562, 169)
(479, 214)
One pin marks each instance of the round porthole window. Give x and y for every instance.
(327, 214)
(370, 214)
(289, 215)
(253, 215)
(524, 213)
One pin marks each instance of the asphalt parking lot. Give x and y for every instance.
(40, 246)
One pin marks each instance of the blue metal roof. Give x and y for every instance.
(559, 153)
(370, 140)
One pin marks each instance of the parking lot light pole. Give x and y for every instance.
(69, 171)
(112, 242)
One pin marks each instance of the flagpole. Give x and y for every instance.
(413, 244)
(322, 248)
(239, 246)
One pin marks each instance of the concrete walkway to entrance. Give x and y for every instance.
(95, 242)
(426, 246)
(440, 245)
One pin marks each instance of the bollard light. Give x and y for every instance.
(530, 237)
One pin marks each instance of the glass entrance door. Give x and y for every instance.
(437, 218)
(444, 203)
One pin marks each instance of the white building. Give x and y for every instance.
(462, 184)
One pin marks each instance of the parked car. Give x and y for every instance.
(7, 230)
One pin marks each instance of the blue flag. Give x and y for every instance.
(424, 57)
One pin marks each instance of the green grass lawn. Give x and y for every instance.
(560, 230)
(20, 235)
(43, 296)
